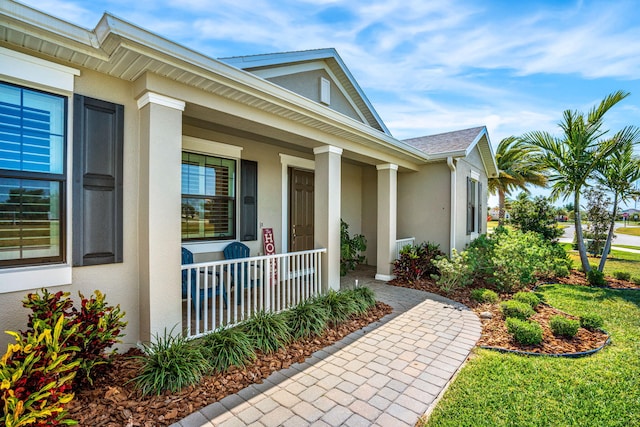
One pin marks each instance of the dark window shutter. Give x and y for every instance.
(249, 200)
(481, 217)
(469, 207)
(98, 134)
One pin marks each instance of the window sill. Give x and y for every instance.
(34, 277)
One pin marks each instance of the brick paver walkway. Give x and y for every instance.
(388, 374)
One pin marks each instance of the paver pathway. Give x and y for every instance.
(388, 374)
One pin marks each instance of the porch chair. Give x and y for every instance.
(187, 258)
(237, 250)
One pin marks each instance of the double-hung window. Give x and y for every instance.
(208, 197)
(32, 176)
(474, 206)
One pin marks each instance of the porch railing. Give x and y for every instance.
(401, 243)
(224, 293)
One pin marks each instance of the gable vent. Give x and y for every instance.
(325, 91)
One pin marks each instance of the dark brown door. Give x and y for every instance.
(300, 210)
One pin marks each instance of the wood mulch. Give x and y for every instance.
(494, 330)
(113, 400)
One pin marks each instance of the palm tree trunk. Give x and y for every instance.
(501, 208)
(607, 244)
(579, 238)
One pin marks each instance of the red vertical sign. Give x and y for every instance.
(270, 249)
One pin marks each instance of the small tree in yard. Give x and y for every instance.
(599, 216)
(536, 215)
(618, 175)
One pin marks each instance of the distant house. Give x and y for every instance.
(632, 214)
(494, 213)
(118, 147)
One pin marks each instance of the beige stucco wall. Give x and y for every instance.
(424, 204)
(370, 211)
(118, 281)
(351, 202)
(308, 84)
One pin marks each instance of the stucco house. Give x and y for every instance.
(118, 147)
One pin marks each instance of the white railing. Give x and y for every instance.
(401, 243)
(224, 293)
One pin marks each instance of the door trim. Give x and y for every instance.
(288, 161)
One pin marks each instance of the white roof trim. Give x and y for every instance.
(35, 70)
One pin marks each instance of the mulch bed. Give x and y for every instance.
(113, 401)
(494, 330)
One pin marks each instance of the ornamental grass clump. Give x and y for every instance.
(170, 363)
(524, 332)
(563, 326)
(591, 322)
(227, 347)
(267, 331)
(527, 297)
(339, 305)
(517, 309)
(307, 319)
(484, 295)
(365, 295)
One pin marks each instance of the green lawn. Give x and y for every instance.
(617, 261)
(496, 389)
(633, 231)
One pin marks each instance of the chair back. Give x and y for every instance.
(235, 250)
(187, 258)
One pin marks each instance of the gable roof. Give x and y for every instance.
(458, 143)
(255, 63)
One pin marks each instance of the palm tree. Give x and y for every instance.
(572, 158)
(618, 174)
(515, 170)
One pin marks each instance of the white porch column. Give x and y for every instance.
(159, 217)
(387, 218)
(327, 183)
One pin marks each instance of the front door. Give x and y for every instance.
(300, 210)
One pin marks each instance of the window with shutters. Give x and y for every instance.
(472, 206)
(208, 197)
(32, 176)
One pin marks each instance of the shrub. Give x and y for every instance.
(528, 298)
(227, 347)
(537, 215)
(454, 273)
(516, 309)
(415, 261)
(339, 306)
(170, 363)
(526, 333)
(622, 275)
(35, 377)
(306, 319)
(97, 325)
(595, 277)
(591, 321)
(563, 326)
(351, 249)
(267, 331)
(484, 295)
(636, 280)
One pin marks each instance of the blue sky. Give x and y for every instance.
(427, 66)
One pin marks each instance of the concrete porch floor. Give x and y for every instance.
(387, 374)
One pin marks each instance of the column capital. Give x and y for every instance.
(327, 149)
(385, 166)
(156, 98)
